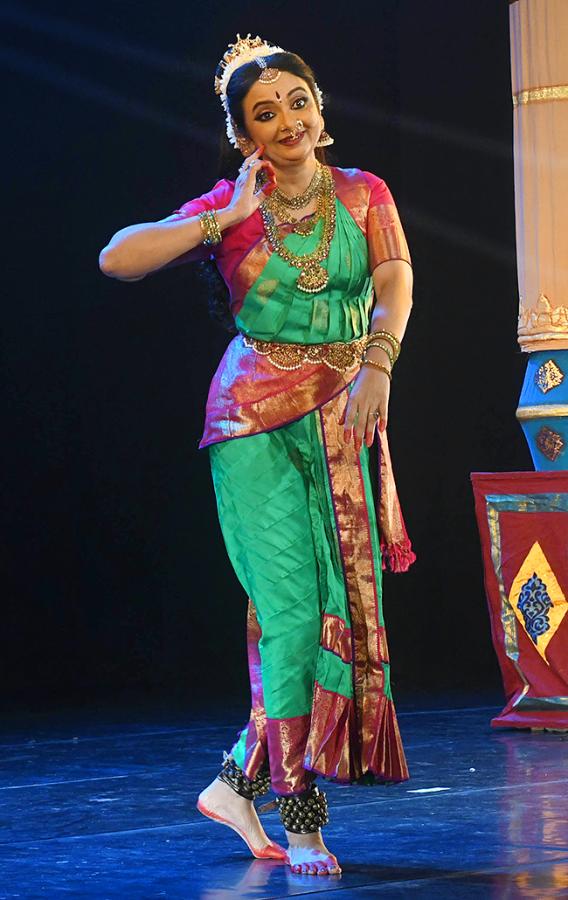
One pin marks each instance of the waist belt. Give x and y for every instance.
(338, 355)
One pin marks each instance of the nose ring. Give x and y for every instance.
(297, 129)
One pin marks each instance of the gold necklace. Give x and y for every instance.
(313, 277)
(298, 201)
(305, 226)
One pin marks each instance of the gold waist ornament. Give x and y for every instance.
(338, 355)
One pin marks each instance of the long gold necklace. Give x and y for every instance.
(313, 277)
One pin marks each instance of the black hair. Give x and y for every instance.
(230, 158)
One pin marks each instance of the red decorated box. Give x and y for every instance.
(523, 527)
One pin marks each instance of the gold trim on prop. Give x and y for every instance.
(526, 340)
(534, 95)
(543, 322)
(341, 356)
(541, 412)
(508, 620)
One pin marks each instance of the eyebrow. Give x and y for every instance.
(263, 102)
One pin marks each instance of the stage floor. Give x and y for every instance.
(99, 803)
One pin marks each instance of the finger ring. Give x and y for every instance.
(375, 414)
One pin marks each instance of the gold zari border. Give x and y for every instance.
(542, 412)
(533, 95)
(385, 236)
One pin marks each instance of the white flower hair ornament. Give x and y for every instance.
(246, 50)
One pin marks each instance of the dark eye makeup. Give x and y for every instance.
(297, 103)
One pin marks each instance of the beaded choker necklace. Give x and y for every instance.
(298, 201)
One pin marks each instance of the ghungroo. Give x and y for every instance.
(304, 813)
(249, 788)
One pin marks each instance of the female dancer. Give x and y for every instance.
(303, 248)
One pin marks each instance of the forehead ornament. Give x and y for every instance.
(246, 50)
(267, 75)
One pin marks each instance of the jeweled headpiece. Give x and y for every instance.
(246, 50)
(268, 74)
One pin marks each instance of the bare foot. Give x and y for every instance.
(308, 855)
(220, 802)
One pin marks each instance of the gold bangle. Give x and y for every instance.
(381, 332)
(213, 230)
(216, 236)
(210, 227)
(388, 336)
(376, 365)
(386, 347)
(205, 228)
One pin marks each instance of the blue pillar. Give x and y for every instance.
(543, 409)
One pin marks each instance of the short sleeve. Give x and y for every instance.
(385, 235)
(217, 198)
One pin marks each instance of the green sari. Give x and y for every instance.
(295, 502)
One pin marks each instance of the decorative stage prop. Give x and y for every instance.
(523, 526)
(539, 74)
(543, 408)
(523, 516)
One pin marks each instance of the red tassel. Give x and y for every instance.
(397, 557)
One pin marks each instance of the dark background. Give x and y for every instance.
(115, 579)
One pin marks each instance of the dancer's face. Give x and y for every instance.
(285, 117)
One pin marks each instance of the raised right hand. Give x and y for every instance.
(246, 199)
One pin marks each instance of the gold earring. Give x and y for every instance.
(244, 146)
(325, 139)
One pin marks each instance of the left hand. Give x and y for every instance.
(370, 392)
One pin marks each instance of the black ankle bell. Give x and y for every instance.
(304, 813)
(248, 788)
